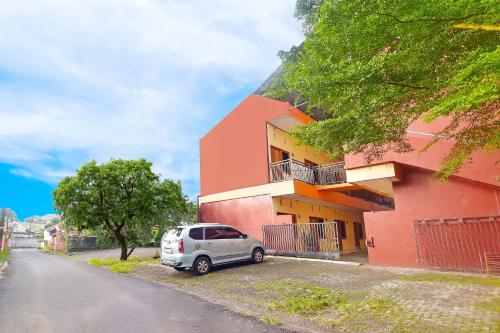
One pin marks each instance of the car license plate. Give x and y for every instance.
(168, 251)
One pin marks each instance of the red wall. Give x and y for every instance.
(246, 214)
(234, 154)
(421, 196)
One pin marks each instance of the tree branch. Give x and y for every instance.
(131, 250)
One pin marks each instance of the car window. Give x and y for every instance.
(178, 231)
(214, 233)
(196, 233)
(232, 233)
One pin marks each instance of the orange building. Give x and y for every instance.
(255, 174)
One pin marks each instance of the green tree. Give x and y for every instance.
(374, 67)
(123, 197)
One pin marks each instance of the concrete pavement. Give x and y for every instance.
(49, 293)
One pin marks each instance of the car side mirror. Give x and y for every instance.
(244, 236)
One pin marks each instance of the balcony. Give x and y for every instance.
(316, 175)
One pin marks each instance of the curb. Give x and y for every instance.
(339, 262)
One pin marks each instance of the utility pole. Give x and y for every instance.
(5, 237)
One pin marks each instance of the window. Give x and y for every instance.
(231, 233)
(196, 233)
(214, 233)
(341, 229)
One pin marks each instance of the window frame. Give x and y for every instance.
(205, 233)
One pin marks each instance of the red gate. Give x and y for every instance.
(459, 244)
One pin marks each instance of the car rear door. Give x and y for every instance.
(238, 244)
(170, 242)
(216, 244)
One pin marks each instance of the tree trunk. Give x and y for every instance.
(123, 245)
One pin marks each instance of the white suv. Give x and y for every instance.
(201, 246)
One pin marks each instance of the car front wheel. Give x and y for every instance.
(201, 266)
(258, 256)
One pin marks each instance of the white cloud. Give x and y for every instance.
(128, 78)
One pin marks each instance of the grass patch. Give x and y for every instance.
(273, 321)
(493, 304)
(450, 278)
(119, 266)
(4, 256)
(333, 308)
(57, 253)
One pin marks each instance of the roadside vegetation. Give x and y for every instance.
(273, 321)
(120, 266)
(4, 256)
(57, 253)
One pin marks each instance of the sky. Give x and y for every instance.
(101, 79)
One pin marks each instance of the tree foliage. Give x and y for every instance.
(376, 66)
(123, 198)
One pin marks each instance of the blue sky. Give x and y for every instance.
(92, 79)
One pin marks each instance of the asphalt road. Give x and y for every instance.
(48, 293)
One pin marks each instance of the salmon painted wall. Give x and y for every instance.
(234, 153)
(246, 214)
(482, 168)
(421, 196)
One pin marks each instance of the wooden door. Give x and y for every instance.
(358, 234)
(341, 232)
(278, 155)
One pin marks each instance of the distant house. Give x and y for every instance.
(54, 238)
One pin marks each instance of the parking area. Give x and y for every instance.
(321, 296)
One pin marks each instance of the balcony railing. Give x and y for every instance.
(320, 175)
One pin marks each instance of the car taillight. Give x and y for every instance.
(181, 246)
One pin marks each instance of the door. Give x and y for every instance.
(358, 234)
(239, 247)
(341, 232)
(278, 155)
(294, 217)
(317, 233)
(216, 244)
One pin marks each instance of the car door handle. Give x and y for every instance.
(209, 243)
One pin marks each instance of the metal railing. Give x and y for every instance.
(317, 175)
(372, 197)
(333, 173)
(460, 244)
(302, 239)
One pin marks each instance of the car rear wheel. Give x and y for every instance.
(258, 255)
(201, 266)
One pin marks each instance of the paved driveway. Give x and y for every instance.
(48, 293)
